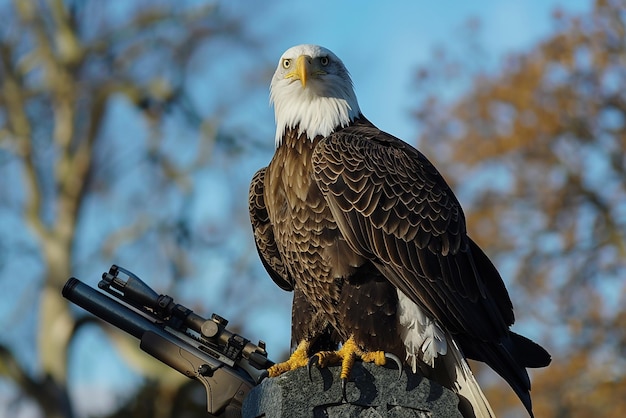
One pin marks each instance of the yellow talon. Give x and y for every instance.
(347, 355)
(376, 357)
(299, 358)
(325, 358)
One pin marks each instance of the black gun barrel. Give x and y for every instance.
(136, 293)
(225, 386)
(106, 308)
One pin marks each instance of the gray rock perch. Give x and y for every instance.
(372, 392)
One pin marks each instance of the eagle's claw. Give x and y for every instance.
(346, 356)
(296, 360)
(396, 360)
(313, 361)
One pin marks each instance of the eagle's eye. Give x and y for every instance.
(286, 63)
(324, 61)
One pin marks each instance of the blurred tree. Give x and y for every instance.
(536, 152)
(101, 139)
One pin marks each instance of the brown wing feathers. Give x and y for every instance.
(264, 234)
(395, 207)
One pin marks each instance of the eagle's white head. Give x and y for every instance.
(312, 89)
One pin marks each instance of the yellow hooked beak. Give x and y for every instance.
(302, 69)
(305, 69)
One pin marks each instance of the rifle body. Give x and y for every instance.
(228, 365)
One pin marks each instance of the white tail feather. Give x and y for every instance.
(422, 337)
(424, 341)
(465, 384)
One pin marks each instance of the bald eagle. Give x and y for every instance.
(373, 243)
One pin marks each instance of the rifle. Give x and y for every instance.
(227, 364)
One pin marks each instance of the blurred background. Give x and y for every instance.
(129, 131)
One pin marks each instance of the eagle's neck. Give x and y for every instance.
(312, 114)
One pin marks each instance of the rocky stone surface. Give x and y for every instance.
(372, 392)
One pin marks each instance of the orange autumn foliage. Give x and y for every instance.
(536, 152)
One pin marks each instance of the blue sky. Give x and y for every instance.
(382, 43)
